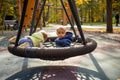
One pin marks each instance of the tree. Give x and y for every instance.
(109, 16)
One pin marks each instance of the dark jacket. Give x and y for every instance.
(65, 41)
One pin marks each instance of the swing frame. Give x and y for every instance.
(86, 45)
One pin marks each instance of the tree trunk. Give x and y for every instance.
(109, 16)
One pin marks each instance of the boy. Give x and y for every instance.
(64, 38)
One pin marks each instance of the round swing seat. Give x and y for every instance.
(54, 53)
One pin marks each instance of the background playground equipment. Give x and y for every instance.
(46, 13)
(29, 12)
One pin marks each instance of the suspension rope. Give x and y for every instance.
(40, 13)
(72, 26)
(75, 15)
(33, 18)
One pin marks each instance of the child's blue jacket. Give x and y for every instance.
(65, 41)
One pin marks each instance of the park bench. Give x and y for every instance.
(10, 23)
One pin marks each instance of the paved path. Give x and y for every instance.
(101, 64)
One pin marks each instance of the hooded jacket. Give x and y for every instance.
(36, 38)
(65, 41)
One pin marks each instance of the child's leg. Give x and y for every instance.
(12, 40)
(25, 44)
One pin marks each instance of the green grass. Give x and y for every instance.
(95, 24)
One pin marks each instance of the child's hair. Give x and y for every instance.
(45, 35)
(62, 28)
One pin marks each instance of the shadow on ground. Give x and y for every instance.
(57, 73)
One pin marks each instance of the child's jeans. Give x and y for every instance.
(23, 40)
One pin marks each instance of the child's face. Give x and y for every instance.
(61, 33)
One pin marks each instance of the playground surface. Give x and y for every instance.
(101, 64)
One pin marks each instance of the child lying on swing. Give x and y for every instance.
(35, 40)
(64, 38)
